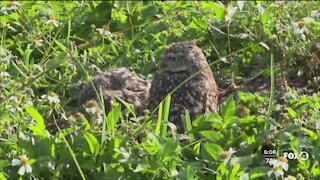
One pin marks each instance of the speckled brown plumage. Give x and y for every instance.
(198, 95)
(118, 82)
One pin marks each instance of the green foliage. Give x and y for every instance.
(46, 48)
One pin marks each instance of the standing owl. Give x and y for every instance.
(114, 83)
(198, 95)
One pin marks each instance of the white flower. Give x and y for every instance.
(7, 25)
(281, 162)
(99, 119)
(91, 110)
(260, 9)
(277, 171)
(240, 4)
(4, 74)
(5, 55)
(38, 42)
(25, 166)
(95, 67)
(103, 31)
(290, 178)
(278, 166)
(52, 97)
(53, 21)
(230, 11)
(308, 20)
(318, 125)
(299, 28)
(51, 165)
(315, 13)
(272, 127)
(11, 6)
(244, 176)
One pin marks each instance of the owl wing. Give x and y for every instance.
(158, 90)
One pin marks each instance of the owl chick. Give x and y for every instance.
(118, 82)
(121, 83)
(198, 95)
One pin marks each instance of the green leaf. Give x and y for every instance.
(93, 143)
(150, 11)
(213, 136)
(40, 127)
(55, 62)
(113, 118)
(61, 46)
(259, 172)
(228, 109)
(128, 106)
(155, 27)
(222, 168)
(26, 55)
(159, 122)
(219, 10)
(213, 150)
(265, 18)
(166, 115)
(170, 147)
(187, 173)
(234, 171)
(189, 125)
(291, 112)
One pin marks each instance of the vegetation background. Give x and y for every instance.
(268, 50)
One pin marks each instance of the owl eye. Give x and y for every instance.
(174, 58)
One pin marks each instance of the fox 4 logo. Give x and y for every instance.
(303, 155)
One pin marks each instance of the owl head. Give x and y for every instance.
(183, 57)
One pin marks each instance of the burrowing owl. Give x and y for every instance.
(118, 82)
(198, 95)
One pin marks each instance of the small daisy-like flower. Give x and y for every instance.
(4, 74)
(51, 165)
(278, 166)
(95, 67)
(308, 20)
(229, 12)
(52, 97)
(5, 55)
(281, 162)
(93, 107)
(315, 13)
(299, 27)
(240, 4)
(99, 119)
(38, 42)
(13, 5)
(272, 127)
(96, 113)
(277, 171)
(290, 178)
(25, 166)
(8, 25)
(103, 31)
(261, 9)
(15, 102)
(318, 125)
(52, 20)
